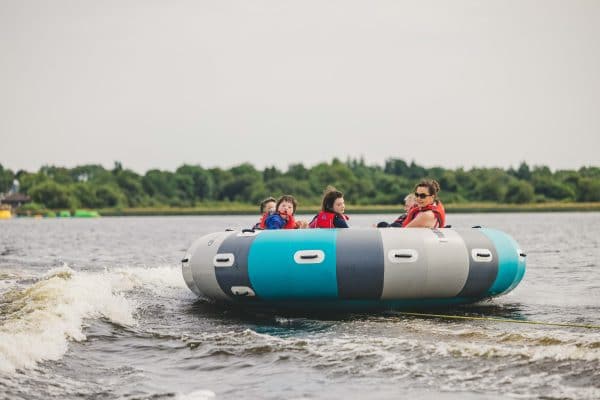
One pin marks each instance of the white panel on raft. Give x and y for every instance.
(404, 278)
(447, 263)
(203, 253)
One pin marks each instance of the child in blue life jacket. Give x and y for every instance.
(283, 217)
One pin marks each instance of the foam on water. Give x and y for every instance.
(424, 353)
(157, 278)
(38, 321)
(197, 395)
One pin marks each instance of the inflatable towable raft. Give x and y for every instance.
(353, 269)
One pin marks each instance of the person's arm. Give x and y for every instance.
(340, 222)
(398, 221)
(423, 220)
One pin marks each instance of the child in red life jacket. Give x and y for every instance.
(267, 207)
(332, 211)
(409, 202)
(283, 217)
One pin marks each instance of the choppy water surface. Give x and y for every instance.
(98, 309)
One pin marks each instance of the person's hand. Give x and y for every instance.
(301, 224)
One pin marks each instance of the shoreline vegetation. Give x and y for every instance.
(194, 190)
(229, 208)
(249, 209)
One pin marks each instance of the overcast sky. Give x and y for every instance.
(156, 84)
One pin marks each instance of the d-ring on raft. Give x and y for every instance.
(353, 269)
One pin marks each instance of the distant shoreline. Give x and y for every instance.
(242, 209)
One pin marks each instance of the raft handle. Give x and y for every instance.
(185, 260)
(482, 255)
(243, 291)
(523, 255)
(397, 255)
(224, 260)
(309, 256)
(249, 232)
(402, 255)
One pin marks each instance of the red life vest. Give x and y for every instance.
(324, 219)
(291, 223)
(261, 224)
(438, 211)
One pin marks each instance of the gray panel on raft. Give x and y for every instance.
(201, 264)
(235, 275)
(359, 264)
(483, 269)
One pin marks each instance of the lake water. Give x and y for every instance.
(97, 308)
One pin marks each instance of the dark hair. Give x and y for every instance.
(264, 203)
(329, 197)
(431, 184)
(288, 198)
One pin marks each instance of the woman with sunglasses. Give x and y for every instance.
(429, 211)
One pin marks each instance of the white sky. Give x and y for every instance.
(155, 84)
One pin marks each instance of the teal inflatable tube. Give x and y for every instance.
(353, 269)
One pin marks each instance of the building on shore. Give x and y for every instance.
(14, 200)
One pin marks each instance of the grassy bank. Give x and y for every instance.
(249, 209)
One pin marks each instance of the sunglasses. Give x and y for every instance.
(422, 195)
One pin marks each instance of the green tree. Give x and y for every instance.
(202, 181)
(523, 172)
(221, 179)
(337, 174)
(491, 184)
(553, 189)
(271, 173)
(57, 174)
(85, 194)
(6, 179)
(297, 171)
(588, 189)
(159, 184)
(130, 184)
(288, 185)
(110, 196)
(52, 195)
(519, 192)
(91, 173)
(448, 182)
(395, 166)
(185, 189)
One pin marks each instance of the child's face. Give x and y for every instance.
(339, 206)
(285, 207)
(409, 203)
(270, 206)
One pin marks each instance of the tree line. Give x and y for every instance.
(93, 186)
